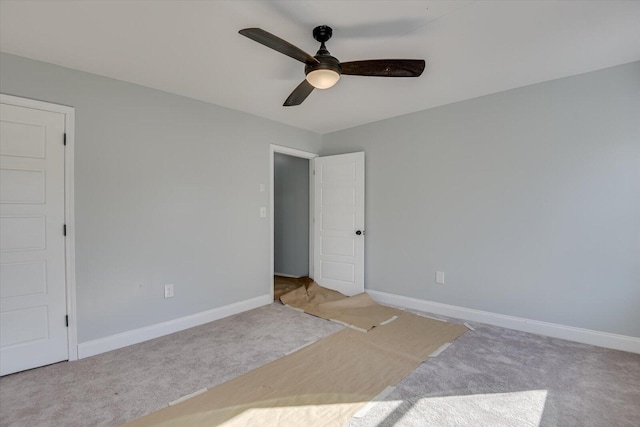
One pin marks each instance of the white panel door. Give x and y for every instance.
(33, 329)
(339, 222)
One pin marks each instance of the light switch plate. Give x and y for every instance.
(168, 290)
(440, 277)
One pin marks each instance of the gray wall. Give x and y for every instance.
(528, 200)
(291, 215)
(167, 190)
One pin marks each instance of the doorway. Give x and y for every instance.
(290, 223)
(291, 210)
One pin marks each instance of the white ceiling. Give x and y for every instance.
(193, 48)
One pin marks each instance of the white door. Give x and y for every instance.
(339, 222)
(33, 310)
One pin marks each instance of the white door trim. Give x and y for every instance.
(70, 253)
(273, 148)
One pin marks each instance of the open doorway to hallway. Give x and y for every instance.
(291, 213)
(291, 224)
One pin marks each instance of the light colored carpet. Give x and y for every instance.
(519, 409)
(489, 372)
(585, 386)
(125, 384)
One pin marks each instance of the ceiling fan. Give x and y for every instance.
(323, 70)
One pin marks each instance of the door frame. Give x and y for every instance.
(273, 148)
(69, 204)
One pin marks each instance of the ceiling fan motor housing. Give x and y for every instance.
(327, 62)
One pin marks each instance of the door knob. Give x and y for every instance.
(358, 232)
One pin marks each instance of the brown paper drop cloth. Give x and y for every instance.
(360, 311)
(323, 384)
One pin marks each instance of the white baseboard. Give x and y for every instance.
(570, 333)
(287, 275)
(124, 339)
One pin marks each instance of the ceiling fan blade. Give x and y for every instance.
(384, 67)
(299, 94)
(276, 43)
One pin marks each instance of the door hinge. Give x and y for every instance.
(64, 229)
(66, 320)
(64, 139)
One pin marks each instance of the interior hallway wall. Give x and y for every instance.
(528, 200)
(167, 190)
(291, 215)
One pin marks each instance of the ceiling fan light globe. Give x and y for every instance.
(323, 78)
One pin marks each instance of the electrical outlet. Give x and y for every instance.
(263, 212)
(168, 290)
(440, 277)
